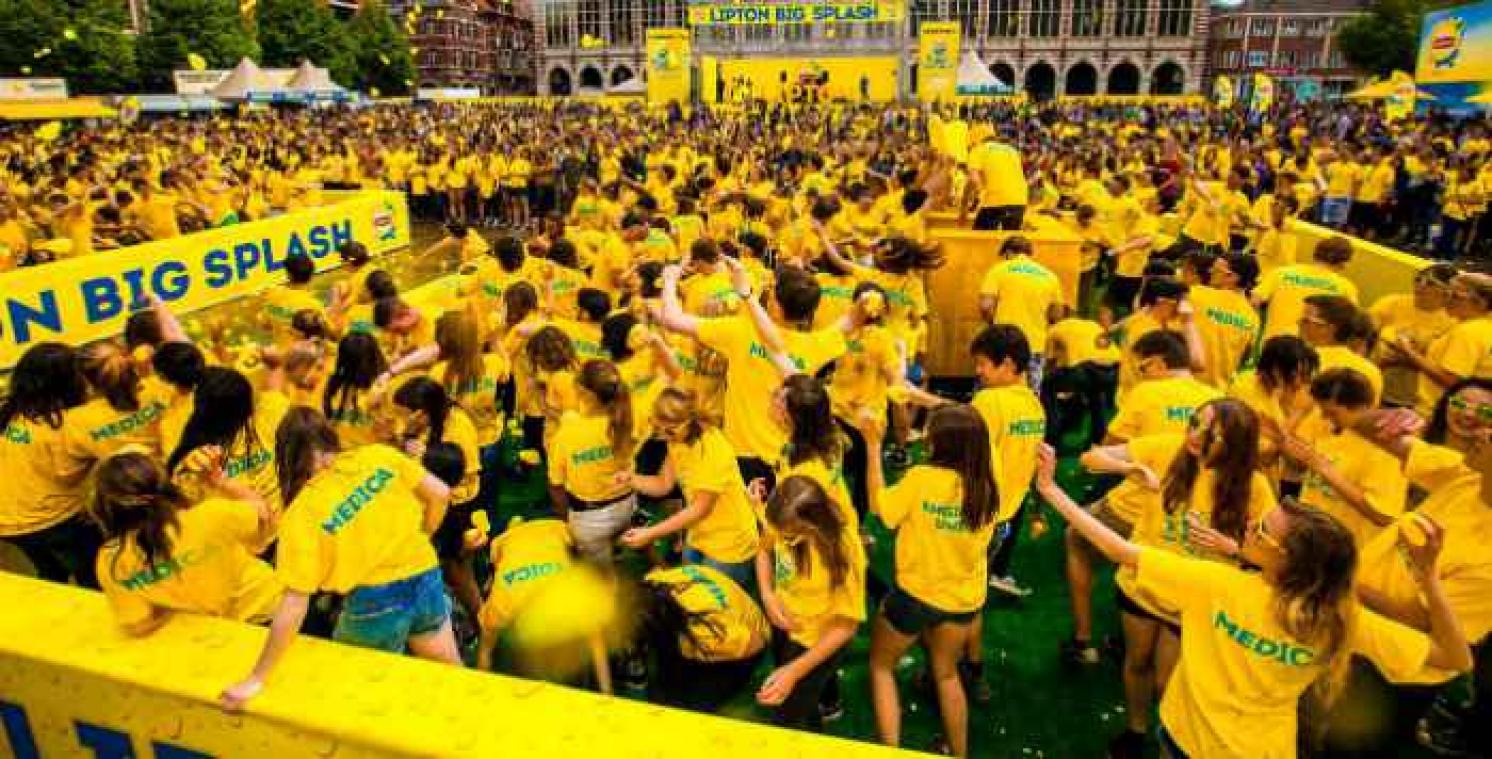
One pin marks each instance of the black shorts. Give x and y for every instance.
(1007, 218)
(1365, 216)
(911, 617)
(1122, 292)
(1133, 608)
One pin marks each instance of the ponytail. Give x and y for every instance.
(222, 414)
(603, 381)
(676, 407)
(302, 434)
(460, 340)
(133, 498)
(427, 395)
(112, 372)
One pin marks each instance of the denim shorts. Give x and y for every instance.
(744, 573)
(385, 617)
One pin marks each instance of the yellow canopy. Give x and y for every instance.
(47, 110)
(1373, 91)
(1481, 98)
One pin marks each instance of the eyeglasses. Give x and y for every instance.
(1304, 320)
(1460, 405)
(1261, 531)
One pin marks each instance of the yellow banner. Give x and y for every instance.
(1263, 95)
(87, 298)
(669, 52)
(72, 684)
(937, 60)
(1222, 92)
(1399, 104)
(738, 13)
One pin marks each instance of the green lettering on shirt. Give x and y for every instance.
(353, 503)
(1277, 651)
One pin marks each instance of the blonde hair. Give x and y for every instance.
(111, 371)
(681, 408)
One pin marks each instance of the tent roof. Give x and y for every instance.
(629, 86)
(973, 74)
(246, 77)
(308, 78)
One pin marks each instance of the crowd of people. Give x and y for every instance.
(709, 328)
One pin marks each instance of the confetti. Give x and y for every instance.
(197, 62)
(70, 34)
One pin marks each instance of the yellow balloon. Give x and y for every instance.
(49, 131)
(197, 62)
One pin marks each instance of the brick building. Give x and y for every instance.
(485, 44)
(1291, 40)
(1045, 47)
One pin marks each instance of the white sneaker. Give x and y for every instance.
(1009, 587)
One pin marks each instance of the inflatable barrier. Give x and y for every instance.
(72, 685)
(82, 299)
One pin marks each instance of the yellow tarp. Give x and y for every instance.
(76, 108)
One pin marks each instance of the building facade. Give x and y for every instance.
(1291, 40)
(1044, 47)
(481, 44)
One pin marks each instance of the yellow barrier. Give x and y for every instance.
(87, 298)
(1377, 270)
(72, 685)
(953, 290)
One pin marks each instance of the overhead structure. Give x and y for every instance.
(975, 78)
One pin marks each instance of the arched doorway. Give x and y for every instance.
(1004, 72)
(1082, 79)
(590, 78)
(559, 82)
(1124, 79)
(1041, 81)
(1168, 79)
(621, 74)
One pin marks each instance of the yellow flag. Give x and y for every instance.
(197, 62)
(1222, 92)
(49, 131)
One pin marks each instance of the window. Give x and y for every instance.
(557, 19)
(1336, 61)
(923, 10)
(1005, 18)
(967, 15)
(1311, 59)
(657, 14)
(588, 18)
(1087, 18)
(1262, 27)
(1132, 17)
(1315, 27)
(1231, 59)
(1287, 58)
(1175, 18)
(1258, 59)
(1045, 18)
(623, 23)
(1289, 28)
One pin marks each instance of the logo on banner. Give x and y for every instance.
(1445, 42)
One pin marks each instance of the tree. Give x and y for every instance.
(29, 28)
(213, 29)
(1384, 39)
(82, 41)
(291, 31)
(380, 51)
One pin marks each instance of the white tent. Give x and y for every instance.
(974, 78)
(629, 86)
(312, 81)
(245, 78)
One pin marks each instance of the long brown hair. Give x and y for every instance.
(1314, 600)
(460, 340)
(302, 434)
(550, 350)
(960, 442)
(1235, 435)
(602, 380)
(133, 497)
(815, 435)
(799, 500)
(112, 373)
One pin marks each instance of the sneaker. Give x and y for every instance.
(1081, 654)
(1008, 586)
(1441, 733)
(832, 711)
(1127, 745)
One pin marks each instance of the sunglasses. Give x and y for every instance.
(1261, 531)
(1483, 411)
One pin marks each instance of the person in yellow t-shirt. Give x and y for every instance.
(1137, 228)
(592, 446)
(359, 524)
(348, 400)
(998, 180)
(706, 633)
(42, 511)
(1276, 243)
(816, 446)
(515, 188)
(1334, 327)
(1226, 321)
(1285, 289)
(1243, 650)
(1415, 319)
(1020, 291)
(282, 302)
(1371, 204)
(232, 426)
(812, 583)
(719, 522)
(1464, 351)
(944, 513)
(1345, 474)
(121, 412)
(1193, 507)
(164, 554)
(1464, 202)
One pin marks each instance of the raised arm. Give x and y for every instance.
(673, 317)
(1111, 544)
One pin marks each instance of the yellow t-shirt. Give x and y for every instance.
(860, 376)
(478, 396)
(1082, 341)
(939, 560)
(808, 592)
(1398, 318)
(1465, 350)
(1160, 405)
(751, 378)
(462, 433)
(727, 624)
(837, 293)
(1370, 468)
(1286, 288)
(585, 337)
(358, 523)
(581, 459)
(1236, 689)
(1017, 426)
(1342, 357)
(44, 483)
(1138, 325)
(251, 465)
(1465, 565)
(708, 465)
(1274, 249)
(1026, 291)
(710, 295)
(96, 429)
(281, 304)
(999, 166)
(1227, 323)
(830, 478)
(212, 568)
(524, 559)
(1171, 531)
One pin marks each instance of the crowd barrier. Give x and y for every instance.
(86, 298)
(71, 684)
